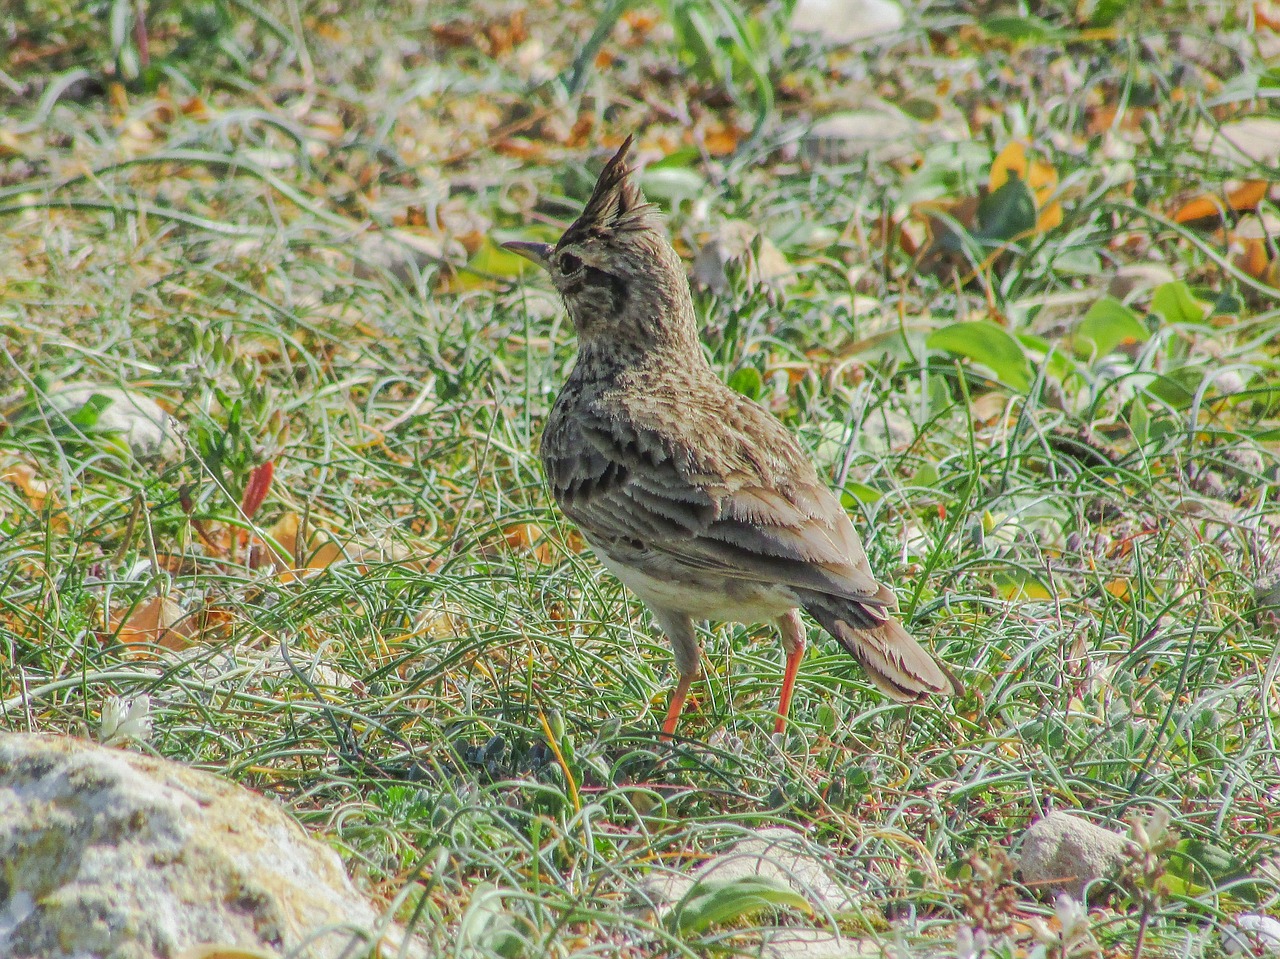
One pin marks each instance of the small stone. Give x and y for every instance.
(1064, 853)
(847, 21)
(1252, 934)
(774, 853)
(139, 420)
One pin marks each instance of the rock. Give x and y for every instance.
(847, 21)
(108, 853)
(1064, 853)
(775, 853)
(1252, 934)
(146, 428)
(874, 128)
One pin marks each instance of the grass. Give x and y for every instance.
(467, 705)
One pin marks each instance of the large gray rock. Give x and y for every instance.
(1064, 853)
(105, 853)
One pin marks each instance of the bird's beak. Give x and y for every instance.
(539, 253)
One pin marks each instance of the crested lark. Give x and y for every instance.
(693, 495)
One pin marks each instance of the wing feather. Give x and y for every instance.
(638, 482)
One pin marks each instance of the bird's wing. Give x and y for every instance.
(734, 494)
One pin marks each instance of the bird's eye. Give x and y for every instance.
(569, 264)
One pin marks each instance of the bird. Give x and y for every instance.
(694, 496)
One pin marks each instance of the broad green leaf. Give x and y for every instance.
(747, 381)
(1177, 387)
(1007, 212)
(1199, 862)
(987, 344)
(1057, 364)
(682, 157)
(926, 475)
(1176, 303)
(855, 492)
(711, 902)
(1139, 421)
(1019, 585)
(1108, 324)
(1107, 12)
(1020, 29)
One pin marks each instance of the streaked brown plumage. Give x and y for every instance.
(693, 495)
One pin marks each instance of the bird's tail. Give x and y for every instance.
(896, 663)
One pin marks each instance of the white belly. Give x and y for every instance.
(705, 595)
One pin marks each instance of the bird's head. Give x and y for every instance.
(620, 278)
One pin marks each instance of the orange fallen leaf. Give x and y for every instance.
(721, 141)
(520, 148)
(23, 476)
(158, 622)
(1243, 198)
(530, 537)
(1119, 588)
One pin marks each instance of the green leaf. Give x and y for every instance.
(987, 344)
(1198, 861)
(1020, 29)
(926, 475)
(1139, 421)
(1108, 324)
(1177, 387)
(747, 381)
(1177, 304)
(713, 902)
(855, 493)
(1007, 212)
(1107, 12)
(681, 157)
(1021, 586)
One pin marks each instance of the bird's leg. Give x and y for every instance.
(677, 704)
(793, 636)
(684, 643)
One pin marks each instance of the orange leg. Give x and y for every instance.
(677, 704)
(788, 687)
(793, 642)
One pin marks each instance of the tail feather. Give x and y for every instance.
(902, 668)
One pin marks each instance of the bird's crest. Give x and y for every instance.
(616, 204)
